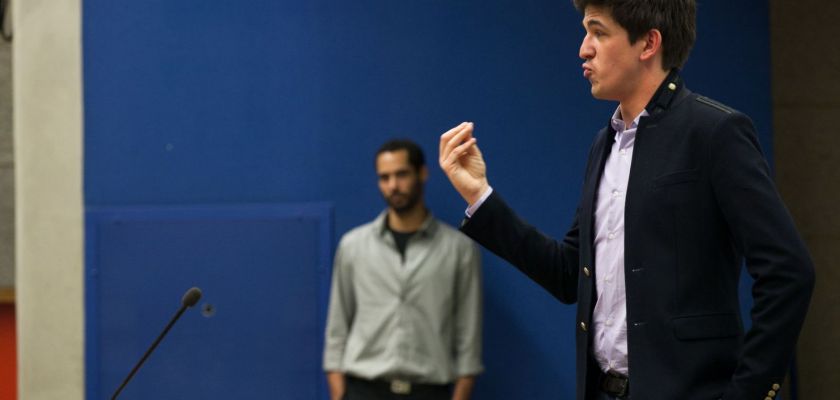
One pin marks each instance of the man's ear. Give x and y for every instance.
(653, 44)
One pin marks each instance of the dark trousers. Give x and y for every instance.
(361, 389)
(599, 395)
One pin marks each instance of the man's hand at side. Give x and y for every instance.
(463, 388)
(336, 382)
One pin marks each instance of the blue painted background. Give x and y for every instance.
(284, 101)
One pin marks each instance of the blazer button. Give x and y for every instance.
(586, 271)
(776, 387)
(771, 393)
(768, 398)
(583, 326)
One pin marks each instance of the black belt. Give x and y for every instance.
(614, 384)
(400, 386)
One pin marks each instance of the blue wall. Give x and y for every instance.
(283, 101)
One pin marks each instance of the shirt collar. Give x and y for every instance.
(618, 123)
(427, 228)
(669, 90)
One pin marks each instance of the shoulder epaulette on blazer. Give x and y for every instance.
(711, 103)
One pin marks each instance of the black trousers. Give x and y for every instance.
(362, 389)
(599, 395)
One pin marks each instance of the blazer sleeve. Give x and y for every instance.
(775, 256)
(549, 262)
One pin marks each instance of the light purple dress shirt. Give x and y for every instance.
(609, 318)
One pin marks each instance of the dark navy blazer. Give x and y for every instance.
(700, 203)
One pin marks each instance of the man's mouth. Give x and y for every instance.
(587, 71)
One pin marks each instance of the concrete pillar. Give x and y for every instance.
(48, 176)
(7, 171)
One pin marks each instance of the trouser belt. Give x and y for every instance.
(614, 384)
(401, 386)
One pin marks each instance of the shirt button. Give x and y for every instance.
(623, 152)
(611, 236)
(583, 326)
(608, 278)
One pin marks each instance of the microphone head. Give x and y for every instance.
(191, 297)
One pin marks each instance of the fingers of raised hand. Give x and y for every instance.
(446, 138)
(464, 148)
(448, 134)
(453, 139)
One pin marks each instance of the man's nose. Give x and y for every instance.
(586, 51)
(391, 183)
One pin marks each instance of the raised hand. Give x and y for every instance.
(462, 162)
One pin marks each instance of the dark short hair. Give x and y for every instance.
(675, 19)
(415, 154)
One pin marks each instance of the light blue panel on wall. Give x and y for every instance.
(257, 331)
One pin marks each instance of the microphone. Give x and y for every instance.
(190, 298)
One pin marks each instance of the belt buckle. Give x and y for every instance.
(616, 383)
(399, 386)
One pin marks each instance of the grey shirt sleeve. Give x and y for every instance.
(468, 313)
(341, 311)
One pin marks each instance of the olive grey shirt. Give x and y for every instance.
(419, 319)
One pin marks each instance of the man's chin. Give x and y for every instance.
(399, 202)
(596, 92)
(599, 94)
(398, 206)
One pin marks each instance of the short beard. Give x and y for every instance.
(405, 208)
(412, 200)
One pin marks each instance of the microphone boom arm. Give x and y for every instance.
(189, 300)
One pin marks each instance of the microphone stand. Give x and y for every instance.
(189, 300)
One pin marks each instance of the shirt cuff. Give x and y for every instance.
(474, 207)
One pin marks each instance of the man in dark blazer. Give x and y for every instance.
(677, 196)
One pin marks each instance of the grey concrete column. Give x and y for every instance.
(7, 171)
(48, 177)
